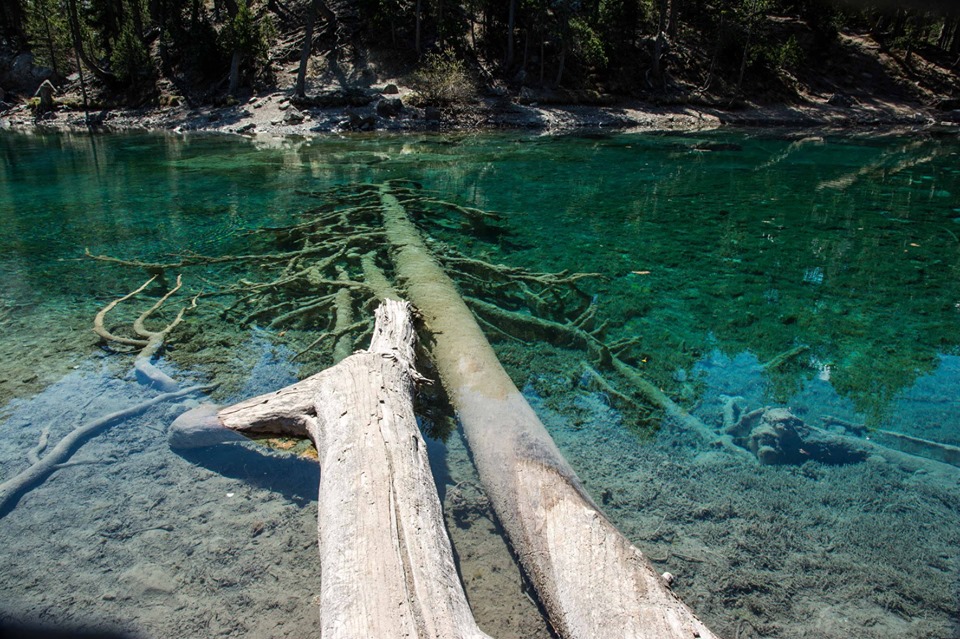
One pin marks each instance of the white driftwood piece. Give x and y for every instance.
(387, 567)
(591, 580)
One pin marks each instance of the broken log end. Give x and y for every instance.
(200, 427)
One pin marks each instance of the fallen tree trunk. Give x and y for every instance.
(591, 580)
(386, 561)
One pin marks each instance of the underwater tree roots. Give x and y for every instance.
(591, 581)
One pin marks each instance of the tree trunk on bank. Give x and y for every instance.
(386, 561)
(590, 579)
(235, 60)
(511, 23)
(305, 50)
(743, 60)
(76, 33)
(416, 43)
(83, 83)
(564, 36)
(658, 61)
(673, 22)
(316, 7)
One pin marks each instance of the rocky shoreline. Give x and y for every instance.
(275, 114)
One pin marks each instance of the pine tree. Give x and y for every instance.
(49, 35)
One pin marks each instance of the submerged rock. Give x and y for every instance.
(777, 437)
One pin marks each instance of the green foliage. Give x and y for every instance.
(604, 42)
(48, 34)
(130, 60)
(788, 55)
(390, 21)
(751, 12)
(247, 34)
(13, 24)
(443, 79)
(203, 55)
(774, 56)
(916, 32)
(587, 43)
(823, 17)
(248, 40)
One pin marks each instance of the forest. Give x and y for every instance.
(167, 52)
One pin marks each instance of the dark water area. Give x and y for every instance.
(734, 270)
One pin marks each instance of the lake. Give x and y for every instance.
(736, 271)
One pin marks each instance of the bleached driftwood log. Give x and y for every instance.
(385, 558)
(591, 580)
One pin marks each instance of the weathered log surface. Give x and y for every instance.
(385, 558)
(591, 580)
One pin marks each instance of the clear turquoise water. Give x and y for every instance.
(719, 252)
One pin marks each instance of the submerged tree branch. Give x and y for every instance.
(590, 579)
(15, 487)
(149, 341)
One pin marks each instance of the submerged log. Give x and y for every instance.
(385, 558)
(911, 445)
(590, 579)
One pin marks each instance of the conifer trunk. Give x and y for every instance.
(300, 88)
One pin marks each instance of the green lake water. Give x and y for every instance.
(814, 272)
